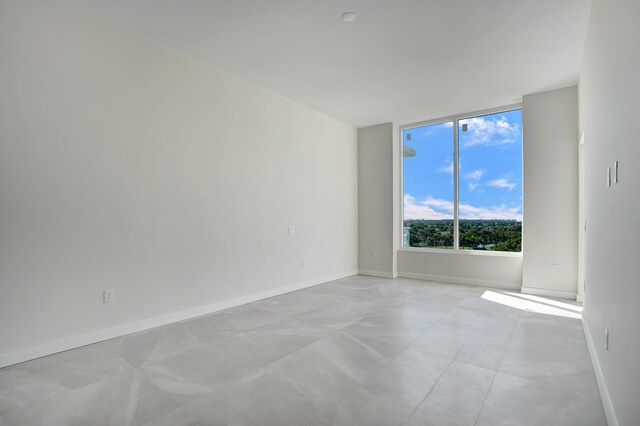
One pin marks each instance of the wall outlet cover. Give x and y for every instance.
(107, 295)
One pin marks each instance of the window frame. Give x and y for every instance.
(456, 199)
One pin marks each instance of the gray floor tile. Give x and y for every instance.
(241, 318)
(457, 397)
(390, 327)
(200, 371)
(262, 398)
(488, 305)
(356, 351)
(180, 416)
(297, 302)
(125, 399)
(79, 367)
(514, 401)
(550, 353)
(19, 388)
(356, 357)
(391, 395)
(481, 354)
(333, 317)
(318, 377)
(478, 337)
(275, 340)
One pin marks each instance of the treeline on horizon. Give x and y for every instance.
(490, 234)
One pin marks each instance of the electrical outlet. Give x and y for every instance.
(292, 230)
(606, 339)
(107, 296)
(302, 263)
(555, 267)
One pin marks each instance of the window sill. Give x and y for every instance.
(462, 252)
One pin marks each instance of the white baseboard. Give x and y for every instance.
(602, 385)
(549, 293)
(372, 273)
(33, 352)
(458, 280)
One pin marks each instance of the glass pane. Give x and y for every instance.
(490, 182)
(428, 186)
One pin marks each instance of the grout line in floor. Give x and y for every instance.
(515, 326)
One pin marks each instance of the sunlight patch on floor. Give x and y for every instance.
(530, 303)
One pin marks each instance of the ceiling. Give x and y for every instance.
(399, 60)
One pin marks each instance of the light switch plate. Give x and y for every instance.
(608, 177)
(614, 172)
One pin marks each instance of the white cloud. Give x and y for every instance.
(496, 131)
(496, 212)
(430, 208)
(473, 186)
(447, 169)
(475, 175)
(435, 209)
(502, 183)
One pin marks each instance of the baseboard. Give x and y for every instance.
(373, 273)
(459, 280)
(33, 352)
(548, 293)
(602, 385)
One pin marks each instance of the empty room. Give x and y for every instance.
(314, 213)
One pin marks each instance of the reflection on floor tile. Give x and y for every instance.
(356, 351)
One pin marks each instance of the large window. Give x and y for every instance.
(462, 180)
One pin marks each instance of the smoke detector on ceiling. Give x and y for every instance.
(348, 16)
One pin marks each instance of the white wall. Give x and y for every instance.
(609, 110)
(376, 201)
(489, 270)
(125, 165)
(550, 200)
(581, 225)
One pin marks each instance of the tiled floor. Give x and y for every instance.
(359, 350)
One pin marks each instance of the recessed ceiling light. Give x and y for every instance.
(348, 16)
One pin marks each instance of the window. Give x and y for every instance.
(462, 182)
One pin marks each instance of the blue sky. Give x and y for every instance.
(490, 154)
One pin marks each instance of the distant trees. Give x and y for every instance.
(495, 235)
(430, 233)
